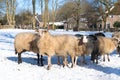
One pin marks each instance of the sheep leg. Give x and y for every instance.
(41, 60)
(93, 57)
(96, 57)
(104, 58)
(65, 61)
(38, 60)
(49, 63)
(73, 61)
(83, 60)
(15, 51)
(58, 60)
(76, 60)
(119, 54)
(108, 57)
(19, 58)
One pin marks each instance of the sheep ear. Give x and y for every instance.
(78, 35)
(93, 37)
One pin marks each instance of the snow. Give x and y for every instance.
(28, 70)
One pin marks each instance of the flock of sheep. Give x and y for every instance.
(44, 44)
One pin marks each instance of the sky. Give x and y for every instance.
(27, 5)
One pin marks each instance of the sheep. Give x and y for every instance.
(26, 41)
(60, 45)
(116, 35)
(95, 35)
(85, 46)
(104, 46)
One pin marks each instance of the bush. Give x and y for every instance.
(116, 24)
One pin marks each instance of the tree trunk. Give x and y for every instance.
(10, 11)
(46, 16)
(34, 21)
(77, 24)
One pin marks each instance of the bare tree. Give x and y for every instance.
(91, 15)
(34, 21)
(24, 18)
(105, 7)
(46, 14)
(116, 9)
(41, 3)
(10, 11)
(65, 11)
(76, 12)
(54, 8)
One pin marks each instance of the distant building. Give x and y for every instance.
(57, 25)
(113, 17)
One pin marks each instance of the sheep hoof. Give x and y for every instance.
(48, 67)
(103, 60)
(19, 62)
(58, 63)
(65, 63)
(41, 65)
(96, 62)
(72, 65)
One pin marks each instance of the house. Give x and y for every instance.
(57, 25)
(113, 17)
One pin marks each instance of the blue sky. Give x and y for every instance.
(27, 5)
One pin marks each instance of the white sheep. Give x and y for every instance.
(60, 45)
(26, 41)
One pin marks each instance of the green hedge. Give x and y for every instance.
(116, 24)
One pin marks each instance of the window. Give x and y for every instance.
(111, 16)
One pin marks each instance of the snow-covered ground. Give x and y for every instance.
(28, 70)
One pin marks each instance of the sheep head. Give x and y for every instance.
(83, 39)
(42, 32)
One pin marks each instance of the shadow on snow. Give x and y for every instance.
(90, 65)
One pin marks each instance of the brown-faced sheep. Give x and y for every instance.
(104, 46)
(26, 41)
(60, 45)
